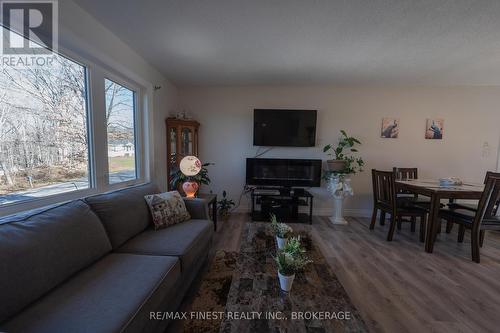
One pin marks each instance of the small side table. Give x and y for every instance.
(211, 201)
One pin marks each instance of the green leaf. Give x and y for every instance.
(327, 148)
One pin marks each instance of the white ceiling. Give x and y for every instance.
(233, 42)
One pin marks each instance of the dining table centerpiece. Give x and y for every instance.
(346, 163)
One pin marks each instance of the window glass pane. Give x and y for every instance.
(44, 145)
(120, 116)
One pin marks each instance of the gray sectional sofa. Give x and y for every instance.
(96, 265)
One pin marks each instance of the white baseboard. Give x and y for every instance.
(324, 211)
(354, 212)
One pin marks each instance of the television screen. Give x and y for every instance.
(291, 128)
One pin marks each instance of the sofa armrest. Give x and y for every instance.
(197, 208)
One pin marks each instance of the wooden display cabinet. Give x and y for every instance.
(182, 140)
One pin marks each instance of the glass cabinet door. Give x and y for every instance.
(182, 140)
(172, 159)
(186, 141)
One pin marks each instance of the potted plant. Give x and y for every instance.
(178, 178)
(280, 230)
(290, 260)
(345, 162)
(225, 205)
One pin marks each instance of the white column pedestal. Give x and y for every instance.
(338, 211)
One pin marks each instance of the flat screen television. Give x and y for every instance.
(285, 128)
(283, 172)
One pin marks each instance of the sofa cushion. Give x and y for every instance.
(167, 208)
(41, 249)
(115, 294)
(188, 240)
(124, 213)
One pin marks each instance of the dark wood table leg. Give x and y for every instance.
(252, 213)
(433, 223)
(311, 211)
(214, 213)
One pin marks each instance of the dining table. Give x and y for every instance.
(432, 189)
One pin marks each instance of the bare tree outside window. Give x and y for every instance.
(120, 117)
(44, 144)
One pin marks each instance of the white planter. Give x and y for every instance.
(338, 210)
(281, 242)
(286, 282)
(336, 165)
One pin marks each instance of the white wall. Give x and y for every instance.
(80, 33)
(472, 117)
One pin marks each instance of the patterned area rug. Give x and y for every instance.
(213, 292)
(245, 288)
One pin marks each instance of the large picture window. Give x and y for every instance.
(120, 117)
(62, 136)
(44, 142)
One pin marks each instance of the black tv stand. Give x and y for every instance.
(284, 202)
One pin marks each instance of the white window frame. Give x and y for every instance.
(97, 138)
(139, 133)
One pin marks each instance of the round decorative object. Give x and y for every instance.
(190, 165)
(190, 188)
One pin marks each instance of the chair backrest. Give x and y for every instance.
(489, 202)
(384, 189)
(488, 174)
(405, 173)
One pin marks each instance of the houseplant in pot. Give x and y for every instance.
(290, 260)
(280, 230)
(346, 163)
(225, 205)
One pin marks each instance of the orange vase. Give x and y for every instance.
(190, 188)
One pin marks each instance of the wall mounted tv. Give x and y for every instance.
(285, 128)
(283, 172)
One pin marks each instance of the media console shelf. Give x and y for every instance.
(282, 202)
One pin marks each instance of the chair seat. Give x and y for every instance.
(471, 207)
(462, 215)
(411, 198)
(467, 217)
(411, 210)
(414, 202)
(492, 222)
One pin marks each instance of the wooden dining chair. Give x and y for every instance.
(468, 206)
(409, 198)
(484, 218)
(414, 199)
(385, 200)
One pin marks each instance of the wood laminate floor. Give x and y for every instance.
(398, 287)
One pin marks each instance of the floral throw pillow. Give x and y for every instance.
(167, 209)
